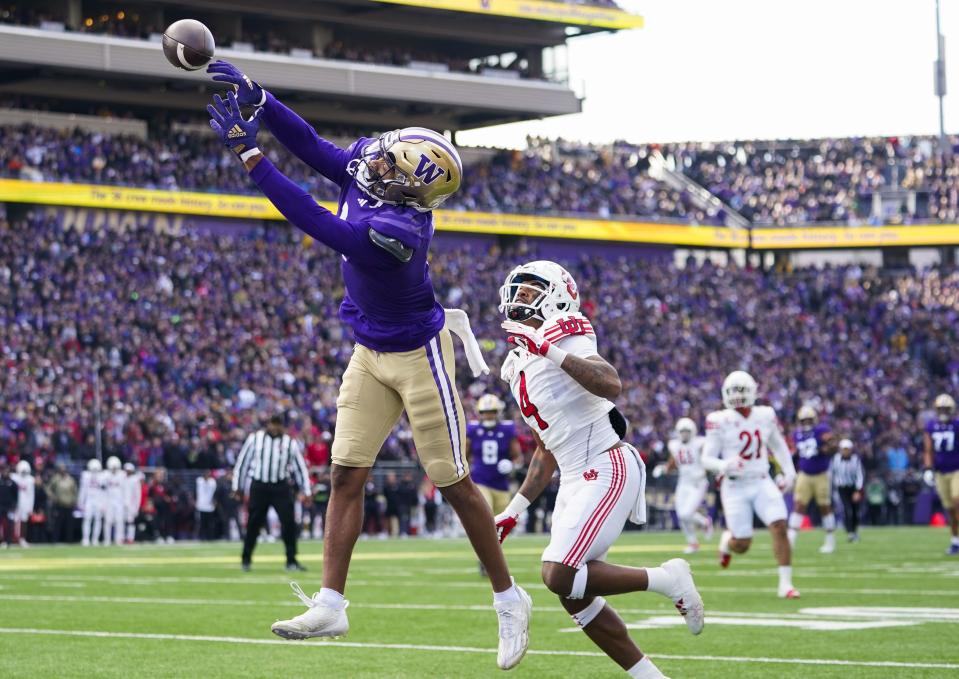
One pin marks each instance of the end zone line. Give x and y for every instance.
(463, 649)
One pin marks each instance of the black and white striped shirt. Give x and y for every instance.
(271, 460)
(845, 473)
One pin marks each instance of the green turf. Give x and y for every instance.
(198, 590)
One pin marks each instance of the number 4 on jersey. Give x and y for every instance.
(526, 407)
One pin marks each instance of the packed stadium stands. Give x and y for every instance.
(184, 331)
(784, 183)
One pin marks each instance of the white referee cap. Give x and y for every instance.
(845, 443)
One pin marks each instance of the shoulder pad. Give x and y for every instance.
(715, 420)
(391, 245)
(567, 325)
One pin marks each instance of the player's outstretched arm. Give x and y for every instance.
(713, 448)
(538, 476)
(300, 139)
(348, 238)
(297, 135)
(592, 373)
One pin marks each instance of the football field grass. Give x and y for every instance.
(886, 607)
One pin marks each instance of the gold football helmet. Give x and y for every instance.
(945, 407)
(413, 166)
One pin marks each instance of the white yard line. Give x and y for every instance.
(479, 584)
(463, 649)
(192, 601)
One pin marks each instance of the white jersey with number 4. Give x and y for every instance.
(688, 457)
(729, 434)
(571, 421)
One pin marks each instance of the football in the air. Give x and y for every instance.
(188, 44)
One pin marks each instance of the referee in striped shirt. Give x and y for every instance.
(269, 458)
(845, 472)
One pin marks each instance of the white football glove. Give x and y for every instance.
(785, 483)
(533, 341)
(734, 466)
(928, 477)
(507, 520)
(659, 470)
(504, 466)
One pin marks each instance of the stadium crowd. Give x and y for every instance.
(281, 40)
(184, 341)
(785, 183)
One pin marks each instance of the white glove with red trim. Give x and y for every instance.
(533, 341)
(785, 483)
(734, 466)
(507, 520)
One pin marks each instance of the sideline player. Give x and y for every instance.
(562, 387)
(685, 453)
(92, 501)
(494, 450)
(403, 358)
(132, 495)
(26, 486)
(114, 483)
(941, 453)
(814, 446)
(737, 439)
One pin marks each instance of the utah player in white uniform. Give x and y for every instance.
(685, 453)
(26, 487)
(91, 501)
(132, 489)
(737, 440)
(562, 387)
(114, 482)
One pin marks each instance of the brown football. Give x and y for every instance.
(188, 44)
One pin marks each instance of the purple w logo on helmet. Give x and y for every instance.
(428, 171)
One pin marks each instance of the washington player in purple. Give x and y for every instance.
(494, 451)
(814, 448)
(941, 461)
(403, 359)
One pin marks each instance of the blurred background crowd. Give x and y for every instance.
(787, 183)
(182, 342)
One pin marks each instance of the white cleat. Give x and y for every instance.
(685, 597)
(514, 619)
(319, 620)
(691, 549)
(828, 545)
(788, 592)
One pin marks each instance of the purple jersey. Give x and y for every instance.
(489, 446)
(945, 444)
(812, 458)
(389, 304)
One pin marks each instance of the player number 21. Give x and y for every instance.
(745, 436)
(527, 408)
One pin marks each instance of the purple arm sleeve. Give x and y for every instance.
(348, 238)
(299, 137)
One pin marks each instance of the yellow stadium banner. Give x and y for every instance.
(149, 200)
(811, 238)
(257, 207)
(540, 10)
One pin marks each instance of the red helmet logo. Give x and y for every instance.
(570, 286)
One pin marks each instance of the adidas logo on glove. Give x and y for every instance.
(235, 132)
